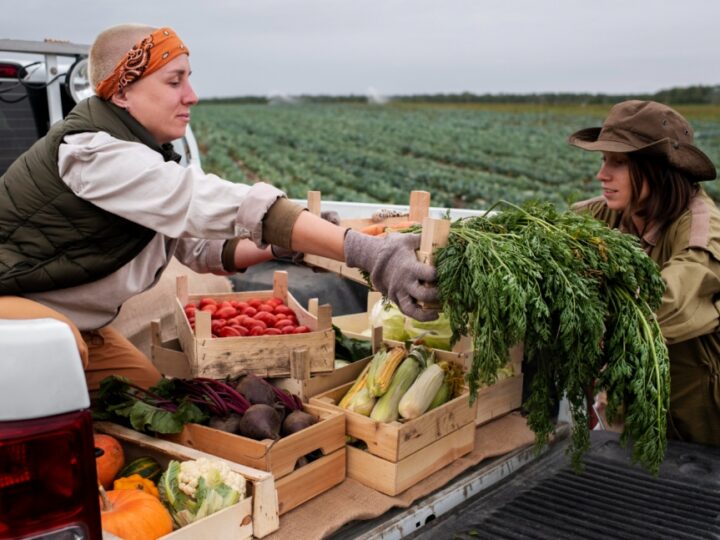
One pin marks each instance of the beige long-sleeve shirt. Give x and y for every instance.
(194, 213)
(688, 254)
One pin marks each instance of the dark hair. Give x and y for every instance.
(669, 192)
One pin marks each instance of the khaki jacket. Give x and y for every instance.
(688, 254)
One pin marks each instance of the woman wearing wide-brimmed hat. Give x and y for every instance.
(650, 178)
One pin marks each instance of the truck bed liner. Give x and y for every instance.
(612, 498)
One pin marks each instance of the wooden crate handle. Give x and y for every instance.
(435, 233)
(324, 317)
(181, 286)
(313, 202)
(419, 205)
(155, 332)
(377, 338)
(300, 364)
(202, 324)
(280, 285)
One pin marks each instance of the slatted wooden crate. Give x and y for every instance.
(418, 210)
(294, 485)
(254, 517)
(265, 356)
(400, 454)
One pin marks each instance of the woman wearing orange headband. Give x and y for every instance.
(98, 207)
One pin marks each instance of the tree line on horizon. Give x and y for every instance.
(689, 95)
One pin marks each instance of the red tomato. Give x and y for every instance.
(290, 329)
(225, 303)
(211, 308)
(217, 324)
(206, 302)
(267, 318)
(273, 332)
(275, 301)
(281, 323)
(257, 331)
(243, 331)
(301, 330)
(249, 311)
(254, 302)
(229, 331)
(266, 307)
(237, 320)
(284, 309)
(190, 307)
(227, 312)
(251, 323)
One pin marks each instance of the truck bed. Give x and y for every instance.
(612, 498)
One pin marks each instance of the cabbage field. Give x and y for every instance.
(467, 156)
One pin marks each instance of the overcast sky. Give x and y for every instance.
(262, 47)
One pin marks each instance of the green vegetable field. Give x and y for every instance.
(467, 156)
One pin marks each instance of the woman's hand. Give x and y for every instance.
(395, 271)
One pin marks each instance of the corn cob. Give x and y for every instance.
(362, 402)
(386, 408)
(359, 383)
(443, 394)
(451, 385)
(419, 396)
(381, 373)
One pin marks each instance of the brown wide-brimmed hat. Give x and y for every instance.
(648, 127)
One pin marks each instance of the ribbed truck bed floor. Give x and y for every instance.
(611, 499)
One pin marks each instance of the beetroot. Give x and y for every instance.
(230, 423)
(297, 421)
(260, 422)
(257, 390)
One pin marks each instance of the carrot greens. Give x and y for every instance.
(581, 297)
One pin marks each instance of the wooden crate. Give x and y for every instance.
(294, 486)
(305, 385)
(255, 516)
(401, 454)
(393, 477)
(265, 356)
(418, 210)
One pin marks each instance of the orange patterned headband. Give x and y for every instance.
(152, 53)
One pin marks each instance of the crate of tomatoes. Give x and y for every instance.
(247, 332)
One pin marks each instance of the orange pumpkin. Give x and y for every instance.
(134, 515)
(109, 458)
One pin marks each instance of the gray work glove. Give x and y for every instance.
(395, 271)
(296, 257)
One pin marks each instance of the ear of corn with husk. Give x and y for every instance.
(386, 408)
(359, 383)
(452, 384)
(382, 368)
(419, 396)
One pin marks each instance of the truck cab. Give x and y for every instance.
(40, 82)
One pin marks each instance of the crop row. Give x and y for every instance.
(465, 157)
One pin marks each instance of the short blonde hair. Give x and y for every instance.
(111, 45)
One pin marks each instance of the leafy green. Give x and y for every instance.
(386, 314)
(151, 410)
(347, 348)
(581, 297)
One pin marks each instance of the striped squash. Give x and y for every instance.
(146, 466)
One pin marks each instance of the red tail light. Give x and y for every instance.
(9, 71)
(48, 483)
